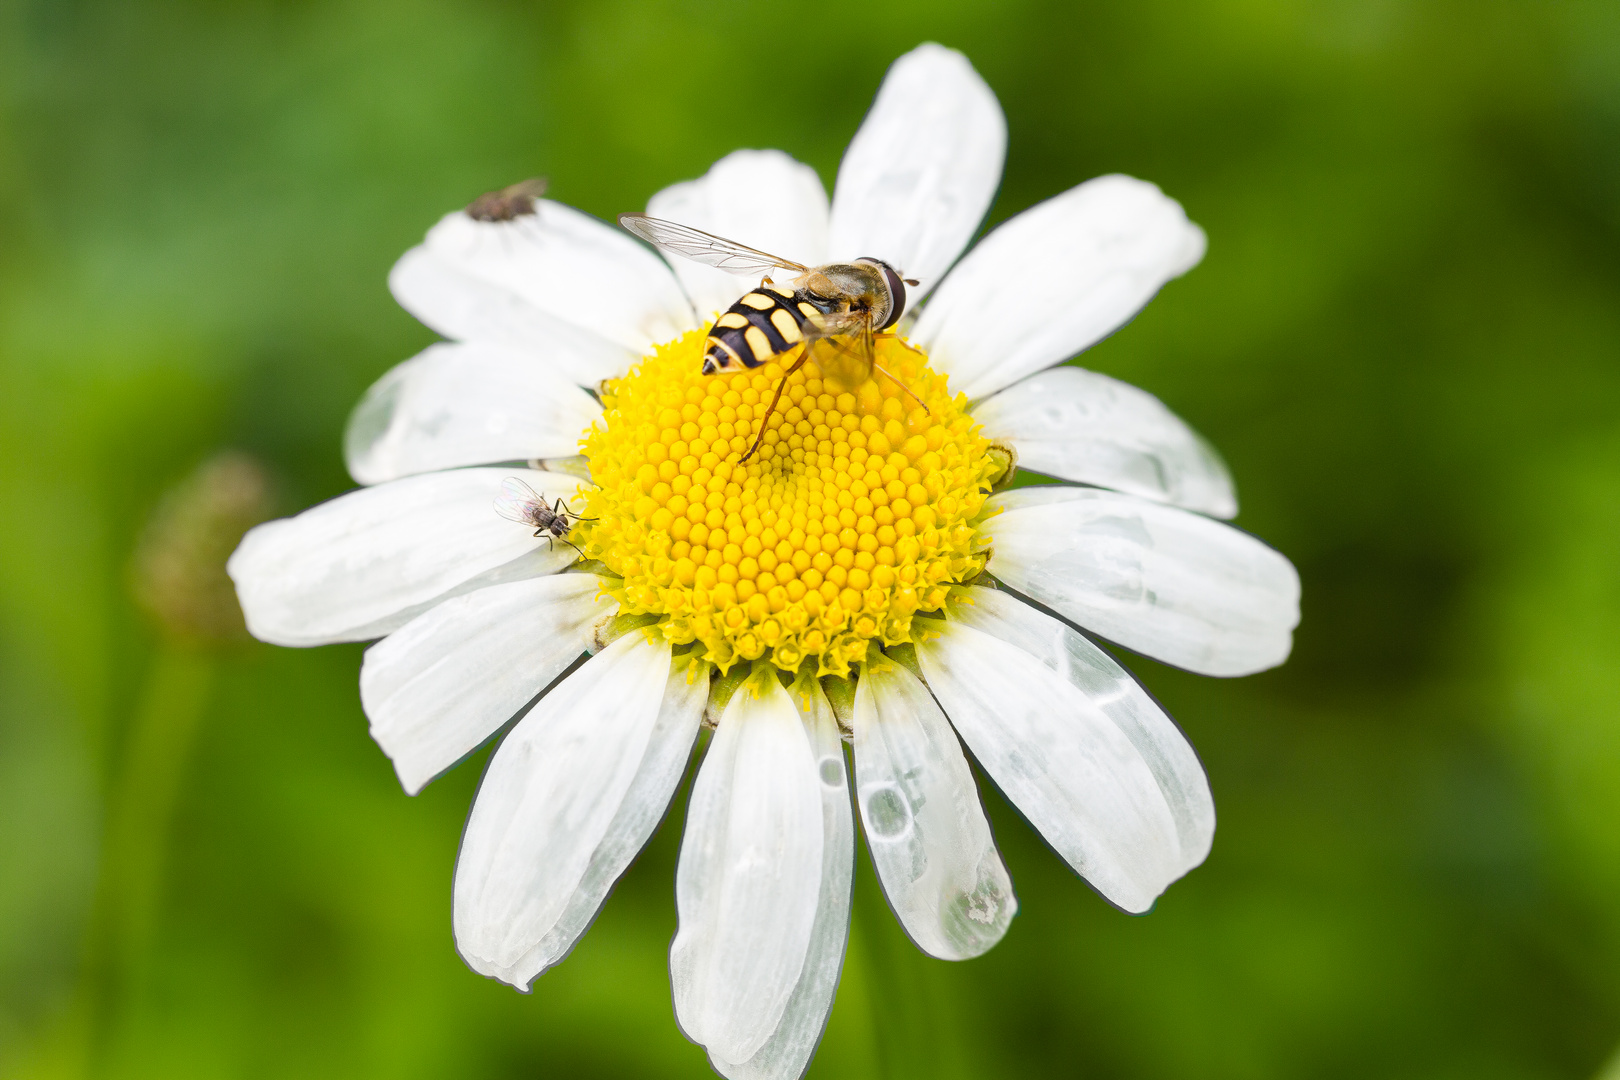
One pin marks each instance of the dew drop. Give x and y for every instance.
(887, 815)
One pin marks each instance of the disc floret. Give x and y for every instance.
(856, 513)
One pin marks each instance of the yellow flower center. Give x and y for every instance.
(854, 514)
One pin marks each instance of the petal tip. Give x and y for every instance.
(1193, 248)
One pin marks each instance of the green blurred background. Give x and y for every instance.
(1405, 339)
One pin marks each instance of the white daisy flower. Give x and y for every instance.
(856, 578)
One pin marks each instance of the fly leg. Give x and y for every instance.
(567, 513)
(552, 538)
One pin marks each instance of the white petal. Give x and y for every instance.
(1169, 584)
(1056, 279)
(540, 562)
(749, 880)
(573, 267)
(1060, 758)
(762, 198)
(548, 803)
(1078, 425)
(668, 749)
(469, 404)
(921, 171)
(787, 1053)
(364, 563)
(1110, 689)
(466, 308)
(926, 830)
(435, 689)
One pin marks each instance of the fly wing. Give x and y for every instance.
(706, 248)
(533, 188)
(517, 501)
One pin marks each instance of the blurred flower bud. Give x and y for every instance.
(178, 570)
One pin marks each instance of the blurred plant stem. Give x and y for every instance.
(915, 1031)
(142, 795)
(178, 576)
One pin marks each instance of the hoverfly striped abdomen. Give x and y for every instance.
(764, 324)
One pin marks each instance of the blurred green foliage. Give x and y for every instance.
(1405, 338)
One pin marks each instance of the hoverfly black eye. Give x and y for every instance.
(897, 290)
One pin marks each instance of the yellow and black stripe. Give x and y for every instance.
(764, 324)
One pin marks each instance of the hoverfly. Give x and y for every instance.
(509, 203)
(521, 503)
(844, 304)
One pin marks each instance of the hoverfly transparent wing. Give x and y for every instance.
(842, 344)
(836, 323)
(706, 248)
(518, 501)
(845, 347)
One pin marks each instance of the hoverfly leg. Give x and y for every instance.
(909, 392)
(780, 386)
(868, 354)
